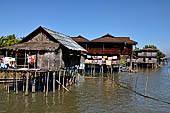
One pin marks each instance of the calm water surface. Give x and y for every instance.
(97, 95)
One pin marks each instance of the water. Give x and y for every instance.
(97, 95)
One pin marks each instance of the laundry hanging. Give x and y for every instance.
(33, 58)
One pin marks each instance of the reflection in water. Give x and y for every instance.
(96, 95)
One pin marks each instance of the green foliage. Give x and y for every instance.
(160, 55)
(123, 60)
(150, 46)
(8, 40)
(134, 51)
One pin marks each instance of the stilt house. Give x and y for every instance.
(51, 50)
(106, 50)
(147, 57)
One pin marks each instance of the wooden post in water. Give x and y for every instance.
(23, 86)
(8, 86)
(94, 70)
(44, 82)
(33, 83)
(146, 86)
(168, 72)
(64, 77)
(48, 74)
(111, 71)
(102, 70)
(16, 84)
(91, 69)
(67, 81)
(47, 83)
(27, 79)
(54, 82)
(59, 80)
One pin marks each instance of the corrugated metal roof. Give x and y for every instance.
(65, 40)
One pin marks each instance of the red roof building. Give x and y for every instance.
(107, 45)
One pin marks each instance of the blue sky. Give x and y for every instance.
(145, 21)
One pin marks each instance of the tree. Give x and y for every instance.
(150, 46)
(8, 40)
(135, 51)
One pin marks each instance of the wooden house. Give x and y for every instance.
(51, 50)
(105, 47)
(147, 57)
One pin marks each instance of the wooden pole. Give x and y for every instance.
(47, 84)
(14, 81)
(146, 86)
(27, 78)
(59, 80)
(8, 89)
(91, 69)
(48, 74)
(16, 85)
(62, 86)
(67, 82)
(94, 70)
(54, 82)
(102, 70)
(33, 83)
(8, 85)
(23, 86)
(64, 77)
(44, 82)
(5, 84)
(119, 68)
(111, 71)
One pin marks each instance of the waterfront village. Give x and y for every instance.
(46, 60)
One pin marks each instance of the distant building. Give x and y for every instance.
(147, 57)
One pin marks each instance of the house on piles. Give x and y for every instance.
(106, 50)
(147, 57)
(46, 49)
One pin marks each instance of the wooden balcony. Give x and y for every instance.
(127, 51)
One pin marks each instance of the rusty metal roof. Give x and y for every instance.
(65, 40)
(112, 39)
(80, 39)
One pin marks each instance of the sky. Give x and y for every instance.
(144, 21)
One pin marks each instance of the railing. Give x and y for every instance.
(109, 51)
